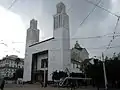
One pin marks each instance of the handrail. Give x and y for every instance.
(74, 78)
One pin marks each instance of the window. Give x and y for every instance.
(59, 20)
(7, 65)
(44, 63)
(77, 66)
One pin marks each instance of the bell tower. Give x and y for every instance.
(32, 33)
(61, 34)
(61, 19)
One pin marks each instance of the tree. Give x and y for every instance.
(55, 75)
(14, 76)
(95, 71)
(58, 75)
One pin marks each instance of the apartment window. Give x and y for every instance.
(77, 66)
(6, 65)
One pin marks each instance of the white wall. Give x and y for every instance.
(28, 58)
(27, 66)
(55, 62)
(55, 58)
(58, 49)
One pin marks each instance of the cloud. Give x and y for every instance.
(98, 23)
(12, 28)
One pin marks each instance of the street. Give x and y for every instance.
(38, 87)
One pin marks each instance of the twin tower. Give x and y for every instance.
(58, 49)
(61, 21)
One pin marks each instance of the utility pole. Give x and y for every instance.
(105, 77)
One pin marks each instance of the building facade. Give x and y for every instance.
(49, 55)
(44, 57)
(78, 55)
(9, 64)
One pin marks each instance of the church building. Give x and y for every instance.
(51, 54)
(44, 57)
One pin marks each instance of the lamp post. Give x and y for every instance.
(44, 75)
(105, 77)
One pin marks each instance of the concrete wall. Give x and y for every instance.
(27, 67)
(55, 59)
(58, 48)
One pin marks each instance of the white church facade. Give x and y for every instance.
(51, 54)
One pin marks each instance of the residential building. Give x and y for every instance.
(78, 55)
(9, 64)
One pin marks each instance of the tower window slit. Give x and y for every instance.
(59, 20)
(54, 23)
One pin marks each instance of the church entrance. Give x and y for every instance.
(40, 76)
(40, 67)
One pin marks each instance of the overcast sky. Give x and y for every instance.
(15, 21)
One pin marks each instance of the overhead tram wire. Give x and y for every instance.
(89, 14)
(99, 48)
(4, 44)
(13, 2)
(96, 5)
(109, 45)
(89, 48)
(118, 17)
(102, 8)
(92, 37)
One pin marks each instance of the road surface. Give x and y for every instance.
(38, 87)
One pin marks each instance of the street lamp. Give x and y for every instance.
(44, 74)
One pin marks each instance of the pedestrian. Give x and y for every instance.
(73, 85)
(116, 83)
(41, 83)
(2, 84)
